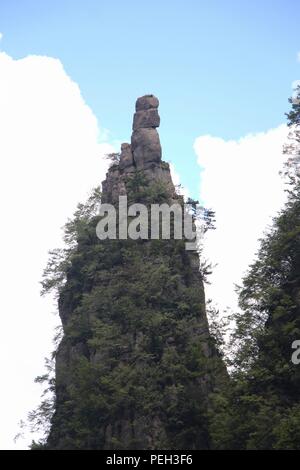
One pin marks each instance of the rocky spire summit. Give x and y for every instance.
(143, 154)
(145, 142)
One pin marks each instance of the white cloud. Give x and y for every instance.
(1, 36)
(50, 159)
(176, 180)
(240, 180)
(295, 84)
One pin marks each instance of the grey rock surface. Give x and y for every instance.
(145, 146)
(146, 102)
(146, 118)
(126, 158)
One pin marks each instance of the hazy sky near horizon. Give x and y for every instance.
(70, 72)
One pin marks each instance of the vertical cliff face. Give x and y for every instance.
(136, 364)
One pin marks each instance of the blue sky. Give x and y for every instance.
(219, 68)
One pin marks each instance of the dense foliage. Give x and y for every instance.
(136, 364)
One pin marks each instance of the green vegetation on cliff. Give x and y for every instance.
(136, 364)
